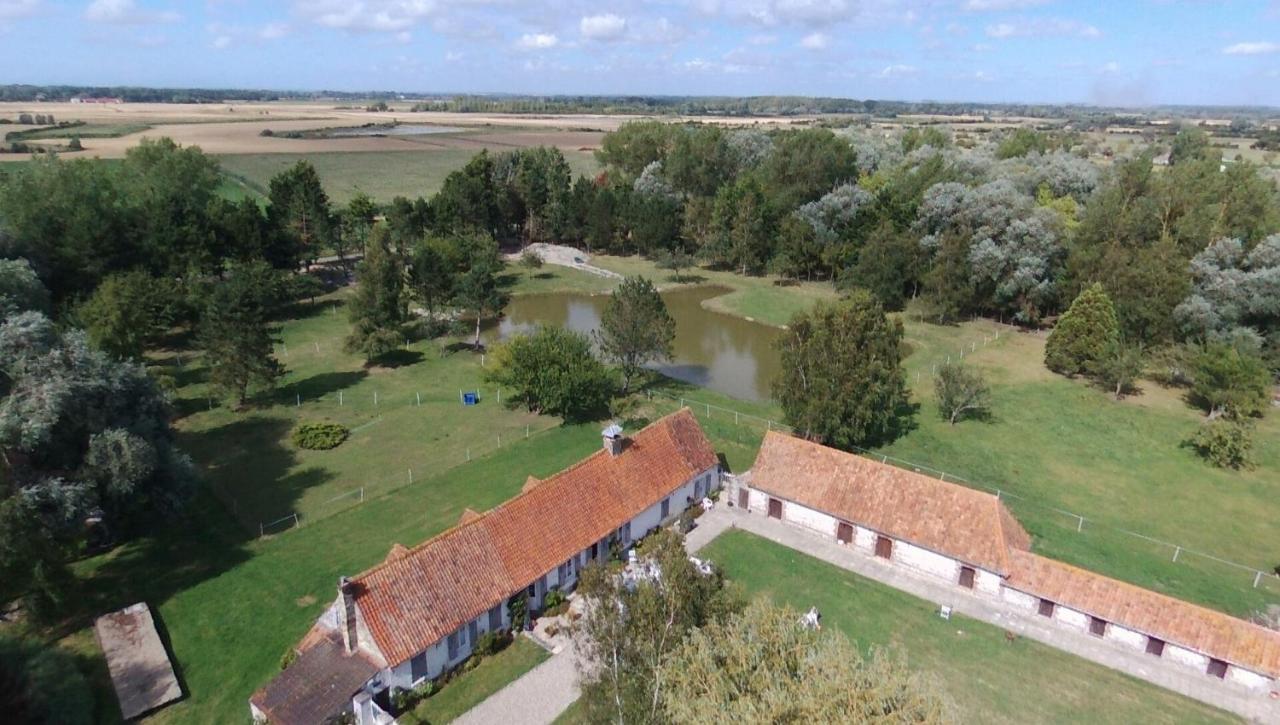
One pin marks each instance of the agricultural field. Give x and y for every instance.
(989, 677)
(382, 175)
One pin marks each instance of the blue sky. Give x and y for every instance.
(1129, 52)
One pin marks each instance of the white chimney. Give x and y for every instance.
(613, 439)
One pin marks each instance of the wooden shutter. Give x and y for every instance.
(884, 547)
(844, 533)
(967, 575)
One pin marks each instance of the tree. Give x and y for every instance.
(1235, 296)
(431, 274)
(357, 223)
(1190, 144)
(476, 290)
(84, 438)
(300, 209)
(763, 666)
(842, 381)
(1083, 333)
(1119, 367)
(1230, 381)
(42, 684)
(635, 145)
(468, 199)
(675, 260)
(129, 311)
(961, 391)
(235, 333)
(74, 144)
(635, 328)
(20, 289)
(378, 310)
(552, 371)
(628, 631)
(806, 164)
(741, 227)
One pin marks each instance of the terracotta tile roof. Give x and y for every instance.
(412, 602)
(319, 683)
(1204, 630)
(397, 551)
(946, 518)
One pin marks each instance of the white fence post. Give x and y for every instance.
(339, 397)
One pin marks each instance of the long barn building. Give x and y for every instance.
(969, 539)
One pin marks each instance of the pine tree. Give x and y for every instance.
(378, 309)
(1083, 334)
(235, 334)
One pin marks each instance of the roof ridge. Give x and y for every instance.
(485, 515)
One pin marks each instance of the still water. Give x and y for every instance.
(721, 352)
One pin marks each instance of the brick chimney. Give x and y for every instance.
(347, 614)
(613, 439)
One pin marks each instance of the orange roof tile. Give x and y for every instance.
(1204, 630)
(960, 522)
(411, 602)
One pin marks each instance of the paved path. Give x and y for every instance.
(1250, 704)
(563, 256)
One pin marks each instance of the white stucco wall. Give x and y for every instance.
(1071, 617)
(988, 582)
(1248, 679)
(815, 521)
(1185, 656)
(1127, 637)
(926, 561)
(758, 501)
(1021, 600)
(864, 539)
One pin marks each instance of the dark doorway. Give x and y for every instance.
(1046, 608)
(844, 533)
(1097, 627)
(884, 547)
(775, 509)
(967, 575)
(1218, 669)
(1155, 646)
(743, 499)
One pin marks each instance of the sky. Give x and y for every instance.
(1108, 52)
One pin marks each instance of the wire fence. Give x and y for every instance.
(1170, 553)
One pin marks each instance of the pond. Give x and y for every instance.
(403, 129)
(724, 353)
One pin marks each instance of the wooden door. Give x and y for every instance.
(743, 499)
(844, 533)
(884, 547)
(775, 508)
(1218, 669)
(966, 577)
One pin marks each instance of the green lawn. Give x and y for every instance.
(471, 688)
(382, 175)
(406, 417)
(990, 678)
(86, 131)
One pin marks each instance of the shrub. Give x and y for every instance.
(1225, 443)
(402, 700)
(531, 260)
(490, 643)
(288, 657)
(266, 132)
(554, 599)
(1083, 333)
(319, 436)
(424, 690)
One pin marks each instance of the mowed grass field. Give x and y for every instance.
(990, 678)
(382, 175)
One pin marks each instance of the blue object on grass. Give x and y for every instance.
(470, 398)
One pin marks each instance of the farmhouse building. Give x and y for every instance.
(968, 538)
(419, 613)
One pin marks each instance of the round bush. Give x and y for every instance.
(319, 436)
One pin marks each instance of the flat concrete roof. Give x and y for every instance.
(140, 669)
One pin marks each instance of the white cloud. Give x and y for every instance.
(980, 6)
(602, 27)
(1042, 27)
(815, 41)
(272, 31)
(13, 9)
(537, 41)
(1253, 48)
(377, 15)
(221, 42)
(897, 71)
(453, 57)
(126, 12)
